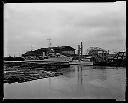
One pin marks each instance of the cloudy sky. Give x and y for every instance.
(29, 26)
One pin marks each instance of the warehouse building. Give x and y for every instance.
(44, 52)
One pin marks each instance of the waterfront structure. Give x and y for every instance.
(44, 52)
(102, 57)
(96, 50)
(118, 60)
(36, 54)
(98, 54)
(64, 50)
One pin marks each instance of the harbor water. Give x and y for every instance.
(77, 82)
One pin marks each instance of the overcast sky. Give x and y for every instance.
(95, 24)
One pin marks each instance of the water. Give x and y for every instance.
(85, 82)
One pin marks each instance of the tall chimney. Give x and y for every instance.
(81, 49)
(79, 52)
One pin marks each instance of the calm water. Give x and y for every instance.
(88, 82)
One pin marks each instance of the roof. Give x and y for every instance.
(39, 51)
(63, 48)
(67, 48)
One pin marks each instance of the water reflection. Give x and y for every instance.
(76, 82)
(102, 75)
(80, 76)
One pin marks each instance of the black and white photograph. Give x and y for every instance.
(64, 50)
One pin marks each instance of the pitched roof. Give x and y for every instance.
(38, 51)
(63, 48)
(67, 47)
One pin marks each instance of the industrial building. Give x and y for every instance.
(43, 52)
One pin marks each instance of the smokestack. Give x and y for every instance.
(81, 49)
(79, 52)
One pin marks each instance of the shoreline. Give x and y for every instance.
(23, 73)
